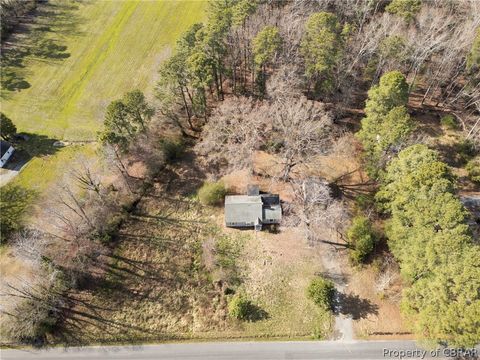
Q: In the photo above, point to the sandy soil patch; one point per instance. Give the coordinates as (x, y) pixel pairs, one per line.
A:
(237, 182)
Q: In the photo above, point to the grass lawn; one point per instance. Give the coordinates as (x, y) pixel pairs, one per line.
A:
(101, 50)
(42, 171)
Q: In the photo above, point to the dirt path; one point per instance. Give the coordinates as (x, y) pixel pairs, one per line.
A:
(332, 264)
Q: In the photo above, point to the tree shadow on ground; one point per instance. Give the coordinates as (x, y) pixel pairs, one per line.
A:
(256, 313)
(457, 154)
(354, 306)
(14, 203)
(185, 178)
(155, 265)
(37, 145)
(40, 39)
(335, 277)
(25, 150)
(351, 184)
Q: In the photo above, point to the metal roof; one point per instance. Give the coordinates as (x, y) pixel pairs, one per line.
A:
(4, 146)
(243, 199)
(244, 210)
(272, 213)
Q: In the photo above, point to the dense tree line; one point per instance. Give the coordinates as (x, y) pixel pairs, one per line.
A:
(331, 47)
(429, 236)
(428, 232)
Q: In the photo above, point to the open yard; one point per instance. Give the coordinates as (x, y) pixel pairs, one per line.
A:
(63, 67)
(175, 267)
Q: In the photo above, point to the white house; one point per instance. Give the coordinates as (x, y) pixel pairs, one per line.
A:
(6, 151)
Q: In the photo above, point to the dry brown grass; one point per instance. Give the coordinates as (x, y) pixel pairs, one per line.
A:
(386, 322)
(279, 268)
(163, 281)
(154, 287)
(12, 269)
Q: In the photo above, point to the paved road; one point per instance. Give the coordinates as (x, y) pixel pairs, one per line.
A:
(313, 350)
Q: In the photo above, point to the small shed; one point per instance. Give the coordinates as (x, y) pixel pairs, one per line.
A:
(6, 152)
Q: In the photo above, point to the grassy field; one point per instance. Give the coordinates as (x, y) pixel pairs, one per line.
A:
(102, 49)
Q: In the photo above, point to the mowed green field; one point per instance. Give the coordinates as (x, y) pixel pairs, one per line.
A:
(111, 47)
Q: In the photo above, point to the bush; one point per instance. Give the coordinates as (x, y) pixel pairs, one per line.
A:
(361, 236)
(321, 291)
(34, 320)
(172, 149)
(227, 251)
(212, 193)
(473, 170)
(110, 228)
(31, 318)
(239, 307)
(449, 122)
(365, 201)
(465, 150)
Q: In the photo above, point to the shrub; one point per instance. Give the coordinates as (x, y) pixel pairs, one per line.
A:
(364, 201)
(362, 237)
(465, 150)
(32, 322)
(449, 122)
(212, 193)
(172, 149)
(35, 315)
(110, 228)
(227, 250)
(473, 170)
(239, 307)
(321, 291)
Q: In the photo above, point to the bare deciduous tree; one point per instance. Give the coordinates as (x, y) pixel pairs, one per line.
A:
(293, 129)
(318, 210)
(30, 245)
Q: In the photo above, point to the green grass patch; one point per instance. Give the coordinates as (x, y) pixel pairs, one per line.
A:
(41, 172)
(75, 58)
(449, 122)
(212, 193)
(85, 54)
